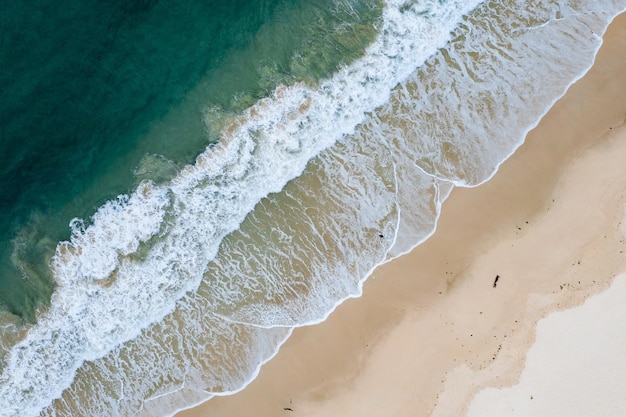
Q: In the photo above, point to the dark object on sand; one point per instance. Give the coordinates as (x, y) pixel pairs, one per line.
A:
(495, 281)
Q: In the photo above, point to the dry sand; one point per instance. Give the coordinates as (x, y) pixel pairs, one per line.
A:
(431, 331)
(576, 368)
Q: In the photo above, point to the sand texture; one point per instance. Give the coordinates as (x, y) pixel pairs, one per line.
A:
(431, 330)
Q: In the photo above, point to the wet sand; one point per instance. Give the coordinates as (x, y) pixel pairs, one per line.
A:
(433, 328)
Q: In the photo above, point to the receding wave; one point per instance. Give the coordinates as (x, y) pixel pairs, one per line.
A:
(180, 291)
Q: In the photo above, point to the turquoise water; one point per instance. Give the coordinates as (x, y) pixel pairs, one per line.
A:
(96, 96)
(271, 155)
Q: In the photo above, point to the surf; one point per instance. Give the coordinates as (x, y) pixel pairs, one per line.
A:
(178, 291)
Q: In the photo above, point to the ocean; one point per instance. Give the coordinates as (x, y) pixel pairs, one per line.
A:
(186, 182)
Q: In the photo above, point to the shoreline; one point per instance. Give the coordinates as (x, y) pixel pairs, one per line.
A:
(430, 321)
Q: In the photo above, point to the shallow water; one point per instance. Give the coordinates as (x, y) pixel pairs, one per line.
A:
(97, 97)
(206, 270)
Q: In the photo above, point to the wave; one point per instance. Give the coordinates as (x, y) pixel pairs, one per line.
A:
(179, 291)
(144, 252)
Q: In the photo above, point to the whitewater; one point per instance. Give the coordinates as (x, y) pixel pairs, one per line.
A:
(180, 291)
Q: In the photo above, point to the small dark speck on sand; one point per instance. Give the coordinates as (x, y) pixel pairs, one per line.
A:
(495, 281)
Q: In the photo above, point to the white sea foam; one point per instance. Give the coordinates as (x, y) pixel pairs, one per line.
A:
(164, 314)
(106, 294)
(470, 105)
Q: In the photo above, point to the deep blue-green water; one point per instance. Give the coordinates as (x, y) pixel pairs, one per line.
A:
(90, 90)
(185, 182)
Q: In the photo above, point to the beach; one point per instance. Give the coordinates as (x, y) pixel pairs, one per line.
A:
(460, 312)
(191, 188)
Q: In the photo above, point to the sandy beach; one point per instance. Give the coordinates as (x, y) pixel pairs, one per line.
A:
(460, 313)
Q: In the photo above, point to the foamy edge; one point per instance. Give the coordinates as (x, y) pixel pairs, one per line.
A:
(76, 329)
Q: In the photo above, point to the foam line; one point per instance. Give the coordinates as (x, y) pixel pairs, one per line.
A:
(126, 270)
(143, 282)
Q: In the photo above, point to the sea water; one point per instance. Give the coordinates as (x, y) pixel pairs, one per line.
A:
(331, 155)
